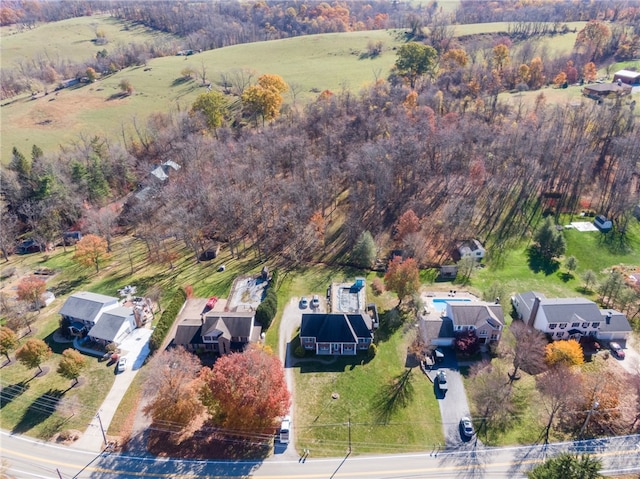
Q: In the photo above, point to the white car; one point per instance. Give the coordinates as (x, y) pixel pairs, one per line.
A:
(122, 365)
(304, 302)
(315, 302)
(467, 426)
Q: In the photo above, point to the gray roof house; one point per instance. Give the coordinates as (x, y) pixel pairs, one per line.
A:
(570, 318)
(471, 248)
(487, 319)
(84, 309)
(337, 334)
(217, 332)
(113, 326)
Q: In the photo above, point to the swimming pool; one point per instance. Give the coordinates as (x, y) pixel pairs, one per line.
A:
(440, 304)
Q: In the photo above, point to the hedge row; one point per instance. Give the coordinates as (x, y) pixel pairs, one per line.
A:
(266, 311)
(166, 320)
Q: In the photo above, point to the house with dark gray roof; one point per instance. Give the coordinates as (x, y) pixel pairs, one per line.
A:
(486, 319)
(217, 332)
(471, 249)
(337, 334)
(83, 310)
(113, 326)
(570, 318)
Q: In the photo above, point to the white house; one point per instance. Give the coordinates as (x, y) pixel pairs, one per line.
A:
(113, 326)
(570, 318)
(471, 248)
(83, 309)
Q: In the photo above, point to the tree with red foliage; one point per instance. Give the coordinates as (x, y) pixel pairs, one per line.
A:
(467, 342)
(402, 277)
(247, 392)
(31, 289)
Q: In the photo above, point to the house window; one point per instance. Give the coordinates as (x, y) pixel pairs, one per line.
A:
(207, 339)
(595, 325)
(482, 333)
(563, 325)
(593, 333)
(494, 337)
(575, 325)
(585, 325)
(552, 326)
(559, 334)
(458, 328)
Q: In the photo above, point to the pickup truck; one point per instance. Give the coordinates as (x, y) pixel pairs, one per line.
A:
(442, 381)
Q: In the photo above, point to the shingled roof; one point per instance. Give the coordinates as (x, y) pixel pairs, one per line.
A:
(336, 328)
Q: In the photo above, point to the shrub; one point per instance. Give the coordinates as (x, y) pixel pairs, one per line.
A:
(299, 351)
(372, 351)
(377, 286)
(167, 319)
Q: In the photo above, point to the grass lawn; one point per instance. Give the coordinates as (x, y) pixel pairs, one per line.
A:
(593, 250)
(364, 405)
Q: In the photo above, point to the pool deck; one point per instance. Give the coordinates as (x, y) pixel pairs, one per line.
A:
(430, 312)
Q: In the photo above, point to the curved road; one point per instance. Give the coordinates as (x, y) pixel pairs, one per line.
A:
(26, 459)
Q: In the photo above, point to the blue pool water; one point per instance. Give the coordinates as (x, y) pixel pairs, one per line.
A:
(440, 304)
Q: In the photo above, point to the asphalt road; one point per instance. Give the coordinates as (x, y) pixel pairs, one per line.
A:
(26, 458)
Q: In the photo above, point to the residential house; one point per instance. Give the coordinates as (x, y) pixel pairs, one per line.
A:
(337, 334)
(83, 310)
(448, 271)
(113, 325)
(29, 246)
(471, 248)
(600, 90)
(217, 332)
(486, 319)
(627, 76)
(570, 318)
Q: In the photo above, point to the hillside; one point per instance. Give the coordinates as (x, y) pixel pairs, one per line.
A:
(312, 63)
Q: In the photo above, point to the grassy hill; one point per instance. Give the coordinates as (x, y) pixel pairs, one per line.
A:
(314, 63)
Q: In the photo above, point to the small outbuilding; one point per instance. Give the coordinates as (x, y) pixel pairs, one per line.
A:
(627, 76)
(603, 223)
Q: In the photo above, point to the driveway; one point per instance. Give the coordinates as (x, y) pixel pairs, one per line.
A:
(631, 361)
(453, 404)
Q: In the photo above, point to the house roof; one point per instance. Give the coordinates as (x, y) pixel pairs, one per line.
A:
(339, 328)
(617, 321)
(188, 333)
(438, 328)
(608, 87)
(477, 314)
(231, 325)
(564, 310)
(111, 323)
(627, 74)
(470, 245)
(86, 306)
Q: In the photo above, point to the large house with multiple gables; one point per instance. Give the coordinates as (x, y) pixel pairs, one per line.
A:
(570, 318)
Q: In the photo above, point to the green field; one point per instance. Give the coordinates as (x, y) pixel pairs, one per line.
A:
(312, 63)
(72, 39)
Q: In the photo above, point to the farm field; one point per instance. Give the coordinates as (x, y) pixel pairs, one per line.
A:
(315, 63)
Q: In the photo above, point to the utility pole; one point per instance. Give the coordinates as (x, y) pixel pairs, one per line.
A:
(349, 426)
(104, 436)
(594, 406)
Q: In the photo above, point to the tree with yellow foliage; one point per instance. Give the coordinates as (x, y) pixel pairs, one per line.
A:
(265, 98)
(91, 250)
(568, 352)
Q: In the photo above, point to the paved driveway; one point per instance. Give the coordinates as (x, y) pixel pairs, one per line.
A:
(631, 361)
(453, 404)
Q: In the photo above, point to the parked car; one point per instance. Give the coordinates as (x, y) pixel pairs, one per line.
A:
(617, 350)
(442, 381)
(211, 302)
(315, 302)
(122, 365)
(467, 427)
(304, 302)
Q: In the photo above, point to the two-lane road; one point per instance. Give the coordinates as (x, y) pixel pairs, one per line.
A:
(25, 459)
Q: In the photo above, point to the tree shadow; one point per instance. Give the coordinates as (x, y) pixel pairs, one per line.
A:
(523, 458)
(11, 392)
(390, 322)
(540, 264)
(66, 287)
(565, 276)
(393, 396)
(38, 411)
(471, 463)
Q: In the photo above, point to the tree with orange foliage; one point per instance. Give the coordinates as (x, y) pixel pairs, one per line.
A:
(590, 72)
(91, 250)
(246, 393)
(560, 79)
(71, 364)
(408, 223)
(568, 352)
(31, 289)
(402, 277)
(536, 73)
(33, 353)
(593, 38)
(174, 384)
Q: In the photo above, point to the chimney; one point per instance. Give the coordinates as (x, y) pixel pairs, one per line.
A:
(534, 311)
